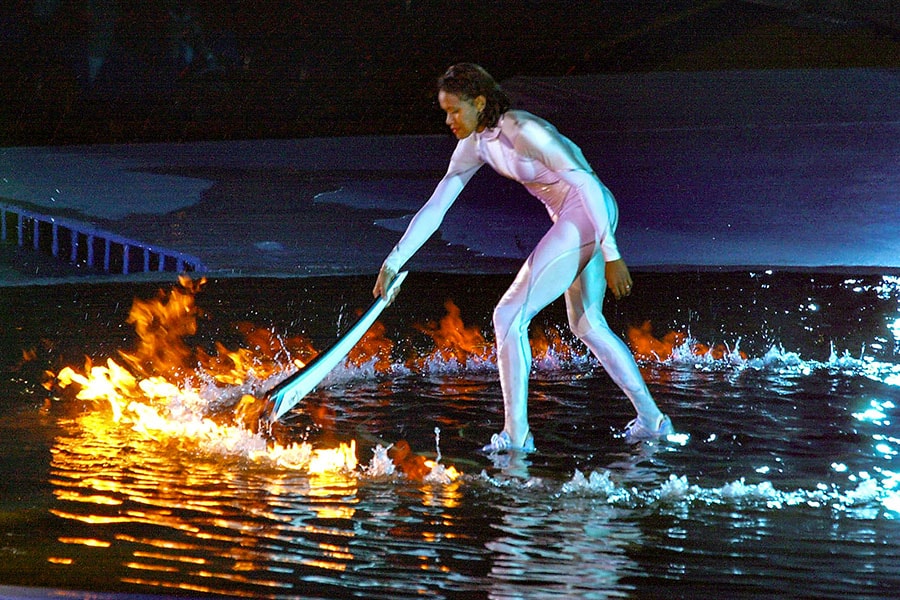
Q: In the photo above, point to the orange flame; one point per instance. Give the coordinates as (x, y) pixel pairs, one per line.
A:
(647, 347)
(142, 393)
(266, 343)
(373, 345)
(549, 342)
(161, 325)
(456, 341)
(453, 339)
(415, 466)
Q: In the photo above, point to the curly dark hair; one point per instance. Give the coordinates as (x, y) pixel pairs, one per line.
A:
(468, 81)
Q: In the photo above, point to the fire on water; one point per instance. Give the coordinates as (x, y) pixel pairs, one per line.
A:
(162, 389)
(166, 391)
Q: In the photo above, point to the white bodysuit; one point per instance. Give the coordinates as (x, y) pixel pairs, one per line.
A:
(570, 258)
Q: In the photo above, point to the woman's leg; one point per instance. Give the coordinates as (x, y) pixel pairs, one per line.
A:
(584, 303)
(546, 275)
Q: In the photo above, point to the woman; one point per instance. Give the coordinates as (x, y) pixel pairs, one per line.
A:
(576, 257)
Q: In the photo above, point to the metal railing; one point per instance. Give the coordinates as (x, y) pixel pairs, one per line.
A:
(82, 244)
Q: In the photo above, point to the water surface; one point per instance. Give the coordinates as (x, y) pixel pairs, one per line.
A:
(783, 482)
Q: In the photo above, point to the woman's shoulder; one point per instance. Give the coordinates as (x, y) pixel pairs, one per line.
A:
(521, 118)
(517, 122)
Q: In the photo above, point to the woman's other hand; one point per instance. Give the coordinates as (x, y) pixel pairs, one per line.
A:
(618, 278)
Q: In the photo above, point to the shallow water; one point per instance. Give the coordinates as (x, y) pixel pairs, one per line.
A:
(783, 481)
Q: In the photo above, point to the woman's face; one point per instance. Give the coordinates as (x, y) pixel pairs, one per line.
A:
(462, 114)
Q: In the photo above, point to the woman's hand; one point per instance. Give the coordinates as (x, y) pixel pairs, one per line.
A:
(385, 277)
(618, 278)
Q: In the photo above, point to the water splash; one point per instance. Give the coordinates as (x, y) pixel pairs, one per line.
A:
(381, 464)
(867, 495)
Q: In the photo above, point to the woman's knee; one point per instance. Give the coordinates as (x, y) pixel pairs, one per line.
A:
(589, 322)
(508, 319)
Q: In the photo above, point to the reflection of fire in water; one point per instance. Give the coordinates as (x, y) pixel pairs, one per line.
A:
(177, 520)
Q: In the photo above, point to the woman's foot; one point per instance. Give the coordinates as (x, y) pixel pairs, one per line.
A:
(638, 431)
(500, 442)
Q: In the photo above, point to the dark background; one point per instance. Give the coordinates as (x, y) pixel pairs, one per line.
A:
(184, 70)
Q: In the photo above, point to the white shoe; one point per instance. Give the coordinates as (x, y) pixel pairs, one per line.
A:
(500, 442)
(636, 431)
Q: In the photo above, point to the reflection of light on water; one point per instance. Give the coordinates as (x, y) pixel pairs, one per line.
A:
(164, 557)
(444, 496)
(885, 447)
(886, 450)
(680, 439)
(146, 567)
(889, 286)
(891, 482)
(892, 502)
(90, 542)
(72, 496)
(875, 413)
(333, 494)
(114, 478)
(894, 328)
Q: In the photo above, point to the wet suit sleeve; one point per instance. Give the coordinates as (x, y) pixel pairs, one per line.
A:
(540, 141)
(463, 165)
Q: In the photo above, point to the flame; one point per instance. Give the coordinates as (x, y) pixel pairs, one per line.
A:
(153, 388)
(161, 325)
(374, 346)
(549, 344)
(647, 347)
(334, 459)
(112, 383)
(142, 393)
(419, 468)
(149, 400)
(454, 341)
(264, 356)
